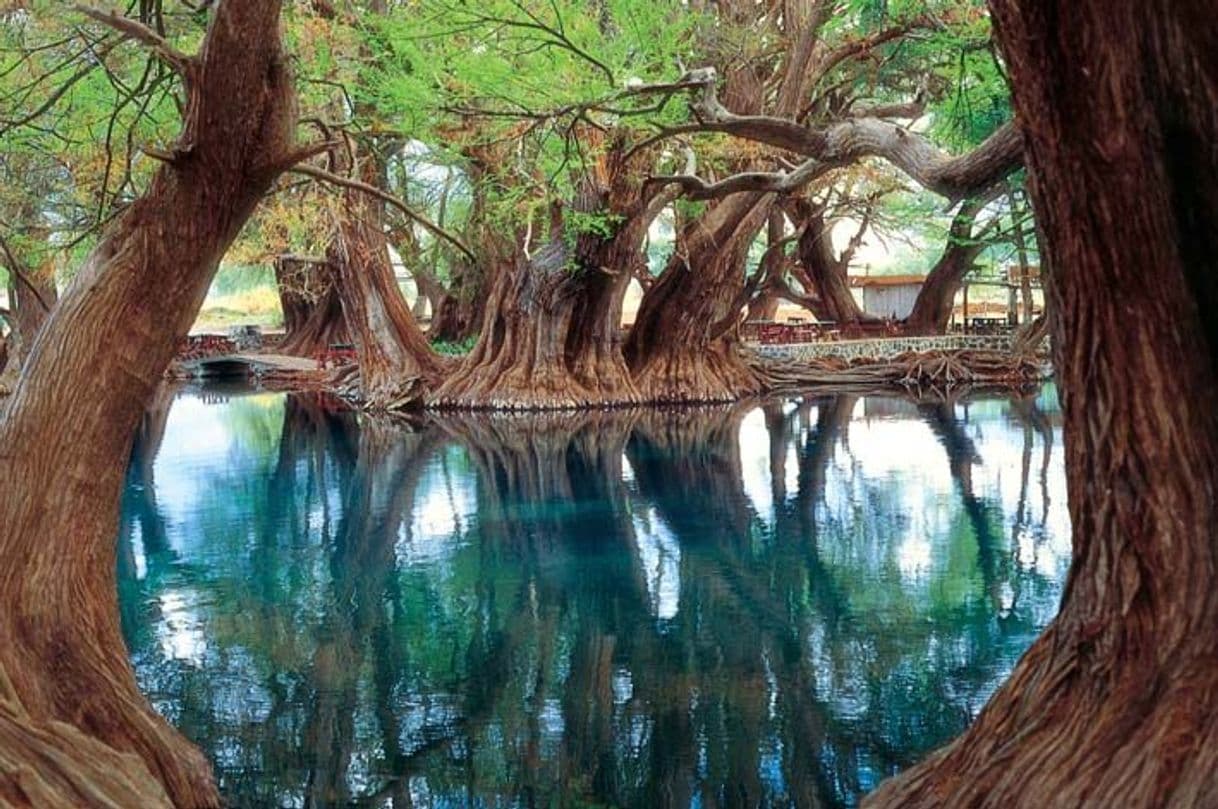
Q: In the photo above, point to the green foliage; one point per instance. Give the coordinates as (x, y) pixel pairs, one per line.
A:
(455, 349)
(484, 113)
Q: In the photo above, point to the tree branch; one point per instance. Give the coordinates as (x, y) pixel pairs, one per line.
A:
(850, 140)
(141, 33)
(18, 270)
(769, 182)
(299, 155)
(347, 182)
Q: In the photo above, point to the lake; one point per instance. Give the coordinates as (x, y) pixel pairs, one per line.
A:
(777, 603)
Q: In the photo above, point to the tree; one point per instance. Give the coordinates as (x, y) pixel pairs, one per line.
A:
(1115, 703)
(932, 309)
(89, 376)
(312, 311)
(550, 336)
(396, 365)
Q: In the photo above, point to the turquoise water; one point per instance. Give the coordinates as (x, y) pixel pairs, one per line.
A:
(772, 604)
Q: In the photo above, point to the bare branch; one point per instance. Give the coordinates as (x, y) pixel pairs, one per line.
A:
(347, 182)
(141, 33)
(850, 140)
(18, 271)
(771, 182)
(299, 155)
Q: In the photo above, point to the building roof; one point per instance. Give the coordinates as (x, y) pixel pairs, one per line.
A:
(886, 280)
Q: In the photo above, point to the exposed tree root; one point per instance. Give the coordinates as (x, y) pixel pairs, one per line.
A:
(717, 373)
(706, 379)
(391, 395)
(53, 764)
(942, 371)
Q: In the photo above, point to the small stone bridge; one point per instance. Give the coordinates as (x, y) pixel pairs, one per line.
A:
(244, 365)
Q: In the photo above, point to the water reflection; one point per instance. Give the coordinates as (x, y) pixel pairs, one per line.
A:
(770, 604)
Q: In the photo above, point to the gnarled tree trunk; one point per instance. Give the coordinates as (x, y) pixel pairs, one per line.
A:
(1117, 703)
(70, 705)
(824, 274)
(550, 339)
(932, 310)
(396, 363)
(673, 351)
(312, 310)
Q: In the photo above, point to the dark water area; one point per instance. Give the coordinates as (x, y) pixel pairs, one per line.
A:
(770, 604)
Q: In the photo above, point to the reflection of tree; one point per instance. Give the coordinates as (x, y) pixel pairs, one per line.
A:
(551, 503)
(1026, 410)
(962, 455)
(736, 601)
(582, 630)
(140, 512)
(362, 567)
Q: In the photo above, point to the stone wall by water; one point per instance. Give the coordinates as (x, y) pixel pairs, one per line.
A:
(884, 347)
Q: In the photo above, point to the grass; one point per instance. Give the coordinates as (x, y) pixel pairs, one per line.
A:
(256, 306)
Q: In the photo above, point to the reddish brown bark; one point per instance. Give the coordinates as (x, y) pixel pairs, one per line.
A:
(1117, 703)
(679, 349)
(396, 363)
(550, 336)
(673, 350)
(825, 274)
(312, 310)
(764, 306)
(70, 701)
(459, 310)
(932, 311)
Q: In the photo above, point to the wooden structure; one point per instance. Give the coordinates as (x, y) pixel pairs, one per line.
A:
(890, 296)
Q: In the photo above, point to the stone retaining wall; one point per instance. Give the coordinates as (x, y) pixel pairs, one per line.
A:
(884, 347)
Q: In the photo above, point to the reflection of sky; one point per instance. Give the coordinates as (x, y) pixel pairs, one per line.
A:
(199, 439)
(660, 558)
(444, 504)
(903, 456)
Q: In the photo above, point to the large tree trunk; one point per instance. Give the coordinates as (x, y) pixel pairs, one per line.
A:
(1117, 703)
(679, 349)
(550, 339)
(459, 311)
(673, 350)
(825, 275)
(90, 374)
(396, 363)
(932, 311)
(312, 310)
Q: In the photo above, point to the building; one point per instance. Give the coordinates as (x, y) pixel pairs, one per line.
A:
(887, 295)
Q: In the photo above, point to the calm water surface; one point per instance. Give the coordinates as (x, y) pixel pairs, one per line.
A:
(772, 604)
